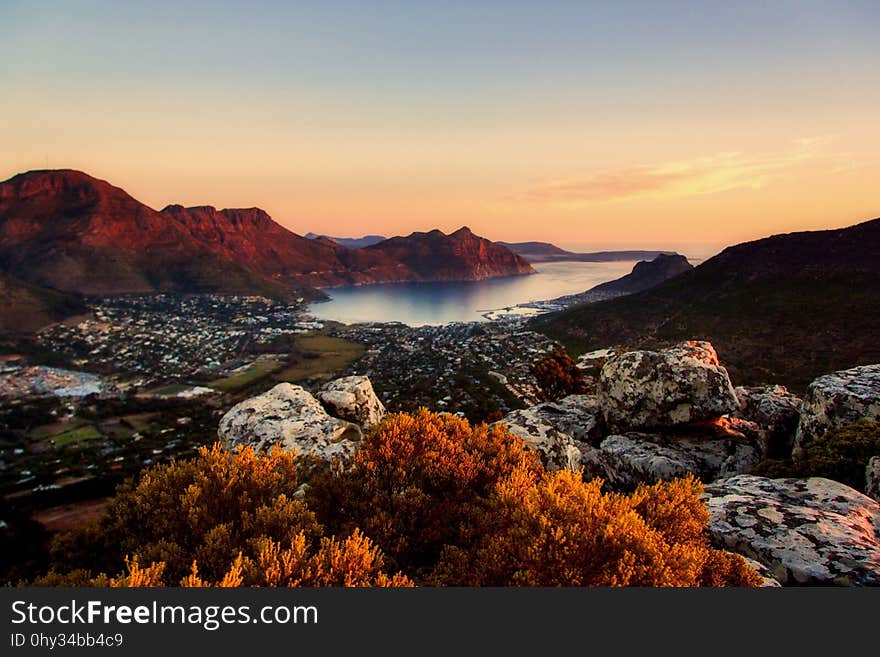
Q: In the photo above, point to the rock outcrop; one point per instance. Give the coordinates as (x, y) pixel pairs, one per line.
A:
(558, 430)
(769, 581)
(557, 449)
(650, 389)
(626, 460)
(776, 411)
(838, 399)
(352, 398)
(806, 531)
(289, 416)
(872, 478)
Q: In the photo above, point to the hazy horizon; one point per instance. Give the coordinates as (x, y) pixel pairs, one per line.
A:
(598, 125)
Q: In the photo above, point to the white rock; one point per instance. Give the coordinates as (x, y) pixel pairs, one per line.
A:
(806, 531)
(499, 377)
(838, 399)
(557, 449)
(650, 389)
(776, 411)
(558, 430)
(352, 398)
(593, 359)
(626, 460)
(289, 416)
(577, 415)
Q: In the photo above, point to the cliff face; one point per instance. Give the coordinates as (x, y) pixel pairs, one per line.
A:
(253, 239)
(66, 230)
(69, 231)
(459, 256)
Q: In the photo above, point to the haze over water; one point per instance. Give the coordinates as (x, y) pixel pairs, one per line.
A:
(419, 304)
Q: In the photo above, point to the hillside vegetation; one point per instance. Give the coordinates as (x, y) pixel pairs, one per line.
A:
(784, 309)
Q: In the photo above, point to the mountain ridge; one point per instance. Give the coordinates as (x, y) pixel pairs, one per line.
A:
(547, 252)
(441, 254)
(350, 242)
(66, 230)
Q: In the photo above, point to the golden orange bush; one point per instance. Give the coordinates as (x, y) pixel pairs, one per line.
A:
(557, 530)
(417, 482)
(428, 495)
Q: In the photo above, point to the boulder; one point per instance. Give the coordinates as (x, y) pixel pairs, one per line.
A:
(806, 531)
(289, 416)
(776, 411)
(838, 399)
(579, 416)
(594, 359)
(872, 478)
(557, 449)
(626, 460)
(352, 398)
(650, 389)
(559, 429)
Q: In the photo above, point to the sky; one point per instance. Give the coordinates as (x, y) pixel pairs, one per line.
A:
(687, 125)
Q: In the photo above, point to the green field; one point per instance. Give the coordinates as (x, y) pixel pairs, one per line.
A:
(55, 429)
(254, 372)
(320, 357)
(169, 390)
(76, 436)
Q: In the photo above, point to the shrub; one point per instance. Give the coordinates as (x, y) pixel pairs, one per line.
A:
(212, 519)
(417, 482)
(428, 494)
(558, 375)
(841, 454)
(557, 530)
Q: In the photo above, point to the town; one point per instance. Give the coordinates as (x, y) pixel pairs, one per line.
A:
(165, 337)
(145, 379)
(479, 370)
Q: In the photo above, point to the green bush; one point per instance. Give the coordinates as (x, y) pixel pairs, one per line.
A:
(841, 454)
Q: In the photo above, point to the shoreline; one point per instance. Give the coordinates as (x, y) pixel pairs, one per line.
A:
(521, 310)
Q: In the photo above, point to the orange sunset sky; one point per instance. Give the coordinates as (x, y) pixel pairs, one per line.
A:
(674, 125)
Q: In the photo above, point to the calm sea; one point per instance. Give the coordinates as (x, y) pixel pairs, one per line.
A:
(419, 304)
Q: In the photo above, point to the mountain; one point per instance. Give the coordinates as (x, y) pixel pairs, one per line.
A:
(351, 242)
(546, 252)
(644, 275)
(784, 309)
(27, 307)
(535, 249)
(459, 256)
(66, 230)
(251, 238)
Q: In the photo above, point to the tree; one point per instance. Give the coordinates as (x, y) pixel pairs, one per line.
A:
(558, 375)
